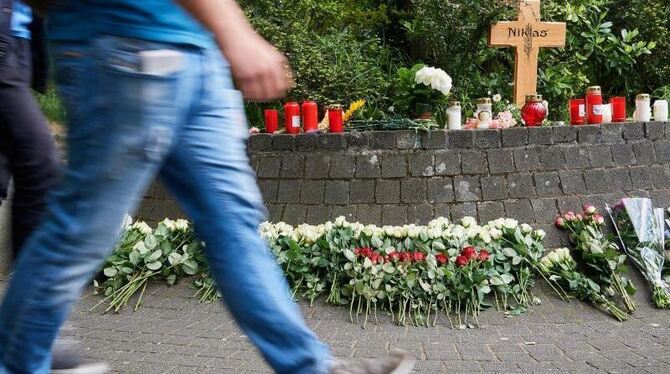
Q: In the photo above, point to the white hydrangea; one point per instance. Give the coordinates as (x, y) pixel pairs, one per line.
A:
(526, 229)
(435, 78)
(540, 234)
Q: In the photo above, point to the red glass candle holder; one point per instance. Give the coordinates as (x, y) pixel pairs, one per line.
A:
(577, 112)
(594, 105)
(618, 109)
(335, 118)
(292, 117)
(533, 112)
(271, 120)
(310, 116)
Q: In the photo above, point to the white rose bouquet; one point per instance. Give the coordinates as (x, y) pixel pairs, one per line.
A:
(420, 90)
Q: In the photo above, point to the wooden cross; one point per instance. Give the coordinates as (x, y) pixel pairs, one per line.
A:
(527, 35)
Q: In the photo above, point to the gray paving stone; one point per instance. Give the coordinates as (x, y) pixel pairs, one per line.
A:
(527, 159)
(547, 184)
(368, 166)
(413, 190)
(440, 190)
(387, 191)
(447, 163)
(369, 214)
(520, 210)
(317, 166)
(394, 215)
(494, 188)
(342, 167)
(467, 189)
(474, 162)
(394, 166)
(420, 214)
(421, 164)
(515, 137)
(362, 191)
(520, 186)
(337, 192)
(601, 156)
(500, 161)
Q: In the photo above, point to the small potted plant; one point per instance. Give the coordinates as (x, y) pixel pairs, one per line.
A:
(421, 90)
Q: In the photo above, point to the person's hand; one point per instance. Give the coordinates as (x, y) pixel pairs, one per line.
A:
(261, 72)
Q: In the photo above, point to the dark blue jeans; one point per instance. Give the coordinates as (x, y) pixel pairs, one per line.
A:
(127, 125)
(27, 149)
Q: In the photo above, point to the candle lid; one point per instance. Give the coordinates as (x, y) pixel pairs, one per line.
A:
(484, 100)
(533, 98)
(594, 89)
(643, 97)
(455, 103)
(335, 107)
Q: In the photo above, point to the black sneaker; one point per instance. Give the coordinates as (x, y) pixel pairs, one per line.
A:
(399, 362)
(65, 360)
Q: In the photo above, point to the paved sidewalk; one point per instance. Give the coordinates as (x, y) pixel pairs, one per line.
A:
(172, 333)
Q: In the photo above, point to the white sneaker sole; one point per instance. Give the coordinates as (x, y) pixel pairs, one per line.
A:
(97, 368)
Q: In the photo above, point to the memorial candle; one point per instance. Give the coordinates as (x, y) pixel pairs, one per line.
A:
(661, 110)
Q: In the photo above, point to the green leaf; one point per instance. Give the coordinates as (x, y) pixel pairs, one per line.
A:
(376, 242)
(126, 270)
(174, 258)
(140, 247)
(496, 280)
(509, 252)
(507, 278)
(150, 242)
(172, 279)
(154, 265)
(154, 256)
(110, 272)
(350, 255)
(516, 260)
(190, 267)
(134, 257)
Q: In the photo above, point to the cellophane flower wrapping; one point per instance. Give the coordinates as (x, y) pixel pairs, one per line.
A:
(641, 230)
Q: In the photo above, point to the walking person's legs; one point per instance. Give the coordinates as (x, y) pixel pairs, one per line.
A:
(27, 146)
(121, 124)
(210, 174)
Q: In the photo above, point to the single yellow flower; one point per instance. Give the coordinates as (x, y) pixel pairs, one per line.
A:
(355, 106)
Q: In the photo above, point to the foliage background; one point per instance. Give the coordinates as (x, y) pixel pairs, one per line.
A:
(343, 50)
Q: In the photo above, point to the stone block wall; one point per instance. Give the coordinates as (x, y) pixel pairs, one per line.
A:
(399, 177)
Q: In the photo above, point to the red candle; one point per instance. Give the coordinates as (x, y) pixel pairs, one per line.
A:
(271, 120)
(534, 111)
(618, 109)
(594, 104)
(577, 111)
(292, 117)
(310, 116)
(335, 118)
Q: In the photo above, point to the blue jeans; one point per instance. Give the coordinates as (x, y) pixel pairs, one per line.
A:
(125, 127)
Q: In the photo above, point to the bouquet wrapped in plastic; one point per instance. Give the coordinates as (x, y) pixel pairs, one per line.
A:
(641, 230)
